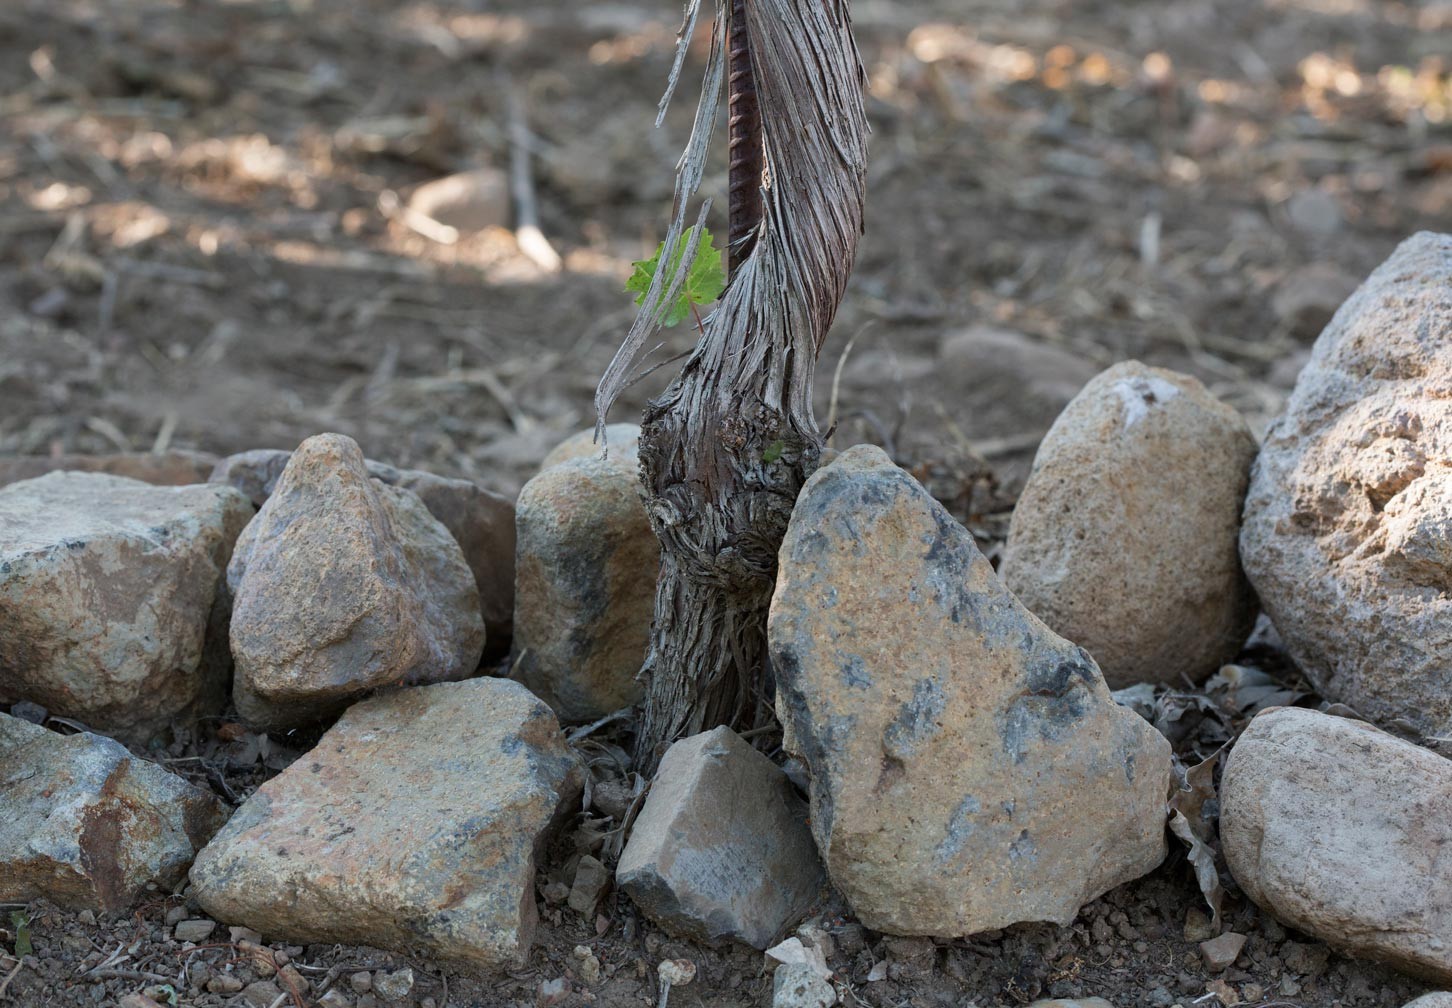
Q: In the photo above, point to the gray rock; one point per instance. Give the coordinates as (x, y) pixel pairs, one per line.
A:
(86, 825)
(1337, 829)
(172, 468)
(585, 570)
(1432, 999)
(592, 878)
(1220, 952)
(796, 985)
(969, 768)
(621, 439)
(481, 522)
(1347, 534)
(707, 864)
(1124, 539)
(343, 585)
(113, 608)
(1093, 1002)
(413, 825)
(196, 931)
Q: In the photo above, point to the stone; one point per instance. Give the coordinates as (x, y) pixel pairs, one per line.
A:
(1093, 1002)
(969, 769)
(1336, 829)
(86, 825)
(1124, 539)
(343, 585)
(262, 994)
(795, 985)
(1347, 531)
(480, 520)
(1220, 952)
(1432, 999)
(1314, 213)
(414, 824)
(621, 439)
(468, 201)
(592, 878)
(709, 866)
(1308, 297)
(170, 468)
(195, 931)
(1002, 384)
(585, 570)
(113, 607)
(394, 986)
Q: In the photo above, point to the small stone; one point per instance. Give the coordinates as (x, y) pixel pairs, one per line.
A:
(175, 915)
(335, 998)
(613, 798)
(592, 878)
(343, 585)
(1220, 953)
(412, 826)
(194, 931)
(85, 824)
(261, 994)
(172, 468)
(361, 982)
(1198, 926)
(1432, 999)
(1307, 299)
(27, 711)
(113, 610)
(906, 669)
(552, 992)
(1347, 534)
(137, 1001)
(394, 986)
(798, 986)
(1093, 1002)
(1380, 810)
(676, 972)
(555, 893)
(585, 571)
(588, 965)
(243, 935)
(224, 983)
(705, 865)
(469, 201)
(1125, 538)
(1314, 213)
(621, 440)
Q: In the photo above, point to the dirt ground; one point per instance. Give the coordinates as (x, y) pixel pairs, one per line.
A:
(200, 247)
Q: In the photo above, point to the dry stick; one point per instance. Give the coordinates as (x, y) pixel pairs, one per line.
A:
(532, 241)
(5, 984)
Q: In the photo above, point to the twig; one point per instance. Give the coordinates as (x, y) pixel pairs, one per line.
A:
(5, 984)
(532, 241)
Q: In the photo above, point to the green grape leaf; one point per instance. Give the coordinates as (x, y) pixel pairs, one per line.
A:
(703, 284)
(21, 924)
(773, 452)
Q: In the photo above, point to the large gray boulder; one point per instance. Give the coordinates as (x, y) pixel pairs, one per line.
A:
(113, 605)
(344, 585)
(969, 769)
(169, 468)
(413, 825)
(1347, 533)
(1340, 830)
(1124, 539)
(86, 825)
(721, 849)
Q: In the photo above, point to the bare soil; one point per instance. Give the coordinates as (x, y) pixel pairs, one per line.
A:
(199, 248)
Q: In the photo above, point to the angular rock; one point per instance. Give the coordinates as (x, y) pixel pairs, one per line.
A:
(969, 768)
(795, 985)
(171, 468)
(1338, 829)
(1124, 539)
(342, 585)
(481, 522)
(113, 606)
(1347, 533)
(706, 862)
(85, 824)
(585, 569)
(622, 439)
(1220, 952)
(413, 825)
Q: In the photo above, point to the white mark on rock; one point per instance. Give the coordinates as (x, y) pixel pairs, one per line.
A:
(1140, 392)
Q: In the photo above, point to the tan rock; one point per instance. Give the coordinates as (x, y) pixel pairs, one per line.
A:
(171, 468)
(113, 607)
(413, 826)
(585, 571)
(343, 585)
(1347, 533)
(621, 439)
(1337, 829)
(1124, 539)
(86, 825)
(969, 769)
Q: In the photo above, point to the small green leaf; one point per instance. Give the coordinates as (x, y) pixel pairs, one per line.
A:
(21, 923)
(704, 281)
(773, 451)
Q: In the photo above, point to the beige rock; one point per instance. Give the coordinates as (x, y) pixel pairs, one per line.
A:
(1432, 999)
(585, 570)
(172, 468)
(480, 520)
(721, 848)
(969, 769)
(113, 607)
(621, 439)
(1124, 538)
(414, 825)
(1347, 532)
(86, 825)
(1338, 829)
(343, 585)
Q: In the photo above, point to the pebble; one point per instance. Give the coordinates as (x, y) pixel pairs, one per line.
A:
(798, 986)
(195, 931)
(1219, 953)
(394, 986)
